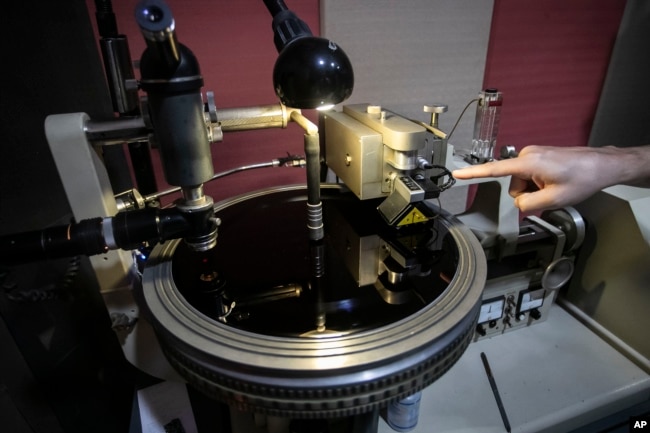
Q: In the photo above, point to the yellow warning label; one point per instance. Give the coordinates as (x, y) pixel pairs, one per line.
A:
(415, 216)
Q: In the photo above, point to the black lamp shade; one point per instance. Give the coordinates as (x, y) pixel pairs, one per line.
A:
(312, 72)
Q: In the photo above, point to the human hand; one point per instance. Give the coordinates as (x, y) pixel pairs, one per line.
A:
(545, 177)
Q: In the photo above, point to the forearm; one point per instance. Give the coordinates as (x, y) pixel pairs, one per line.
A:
(625, 165)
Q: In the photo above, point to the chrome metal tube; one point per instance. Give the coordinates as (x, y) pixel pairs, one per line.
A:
(116, 131)
(314, 205)
(312, 159)
(256, 117)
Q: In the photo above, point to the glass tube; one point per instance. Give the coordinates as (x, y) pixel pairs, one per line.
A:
(486, 125)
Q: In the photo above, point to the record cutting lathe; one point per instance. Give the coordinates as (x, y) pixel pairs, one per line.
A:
(323, 301)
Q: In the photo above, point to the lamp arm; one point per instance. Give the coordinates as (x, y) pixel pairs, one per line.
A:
(275, 6)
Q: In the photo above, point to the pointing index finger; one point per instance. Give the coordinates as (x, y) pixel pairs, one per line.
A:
(502, 168)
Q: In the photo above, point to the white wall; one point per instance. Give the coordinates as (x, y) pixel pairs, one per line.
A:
(410, 53)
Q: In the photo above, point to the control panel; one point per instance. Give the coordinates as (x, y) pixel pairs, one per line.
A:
(513, 302)
(522, 287)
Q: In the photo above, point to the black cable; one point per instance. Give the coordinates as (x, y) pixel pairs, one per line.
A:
(461, 116)
(445, 172)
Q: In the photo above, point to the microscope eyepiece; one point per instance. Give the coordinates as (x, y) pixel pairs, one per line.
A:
(155, 19)
(153, 14)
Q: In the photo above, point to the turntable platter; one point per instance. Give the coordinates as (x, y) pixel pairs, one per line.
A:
(271, 322)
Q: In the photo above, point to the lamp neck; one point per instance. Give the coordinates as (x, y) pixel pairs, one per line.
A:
(275, 6)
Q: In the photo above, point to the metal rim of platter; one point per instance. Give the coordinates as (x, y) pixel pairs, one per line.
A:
(315, 377)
